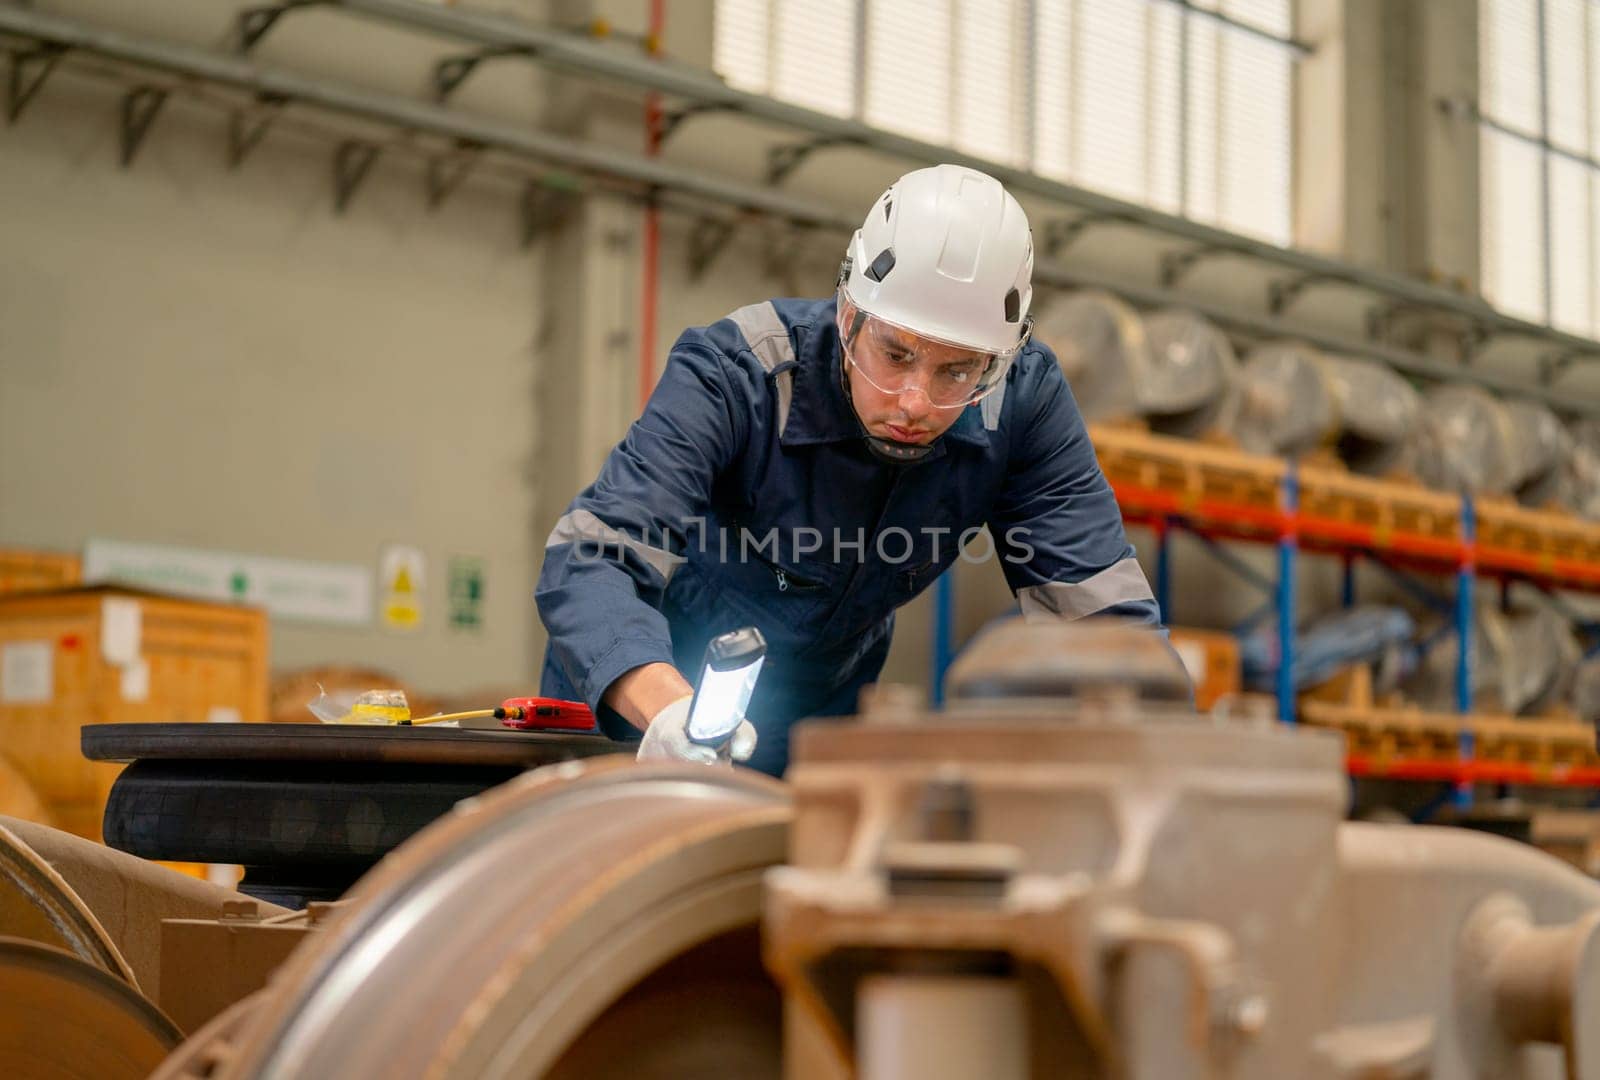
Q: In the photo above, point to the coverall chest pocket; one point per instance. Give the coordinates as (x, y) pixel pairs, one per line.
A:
(796, 593)
(912, 581)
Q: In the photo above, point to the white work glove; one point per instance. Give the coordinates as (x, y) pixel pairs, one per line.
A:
(667, 739)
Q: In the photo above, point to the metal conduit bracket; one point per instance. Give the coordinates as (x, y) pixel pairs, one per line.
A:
(706, 241)
(1553, 365)
(1380, 318)
(541, 208)
(452, 71)
(248, 126)
(1473, 338)
(785, 159)
(1062, 233)
(446, 171)
(1176, 264)
(351, 163)
(139, 108)
(783, 250)
(254, 23)
(671, 120)
(29, 69)
(1281, 294)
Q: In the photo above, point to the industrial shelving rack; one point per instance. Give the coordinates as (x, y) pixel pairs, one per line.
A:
(1220, 495)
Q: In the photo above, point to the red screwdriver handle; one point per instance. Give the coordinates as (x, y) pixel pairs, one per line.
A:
(545, 714)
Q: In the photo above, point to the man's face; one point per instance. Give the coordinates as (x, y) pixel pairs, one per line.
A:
(915, 364)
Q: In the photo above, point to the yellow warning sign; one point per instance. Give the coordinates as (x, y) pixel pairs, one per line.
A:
(403, 576)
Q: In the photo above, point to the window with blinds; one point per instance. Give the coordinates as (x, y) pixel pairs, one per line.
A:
(1182, 105)
(1539, 108)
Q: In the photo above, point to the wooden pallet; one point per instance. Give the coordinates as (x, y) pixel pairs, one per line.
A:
(1546, 535)
(1386, 734)
(1192, 472)
(1387, 507)
(1392, 733)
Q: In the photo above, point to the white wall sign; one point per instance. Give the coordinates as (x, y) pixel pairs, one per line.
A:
(27, 673)
(288, 588)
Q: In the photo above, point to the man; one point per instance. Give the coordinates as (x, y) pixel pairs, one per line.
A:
(808, 466)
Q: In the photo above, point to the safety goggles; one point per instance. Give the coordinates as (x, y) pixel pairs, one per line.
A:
(896, 360)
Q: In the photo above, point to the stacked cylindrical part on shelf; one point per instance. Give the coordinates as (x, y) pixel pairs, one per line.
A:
(1541, 455)
(1523, 663)
(1377, 411)
(1286, 403)
(1584, 467)
(1464, 442)
(1101, 346)
(1193, 387)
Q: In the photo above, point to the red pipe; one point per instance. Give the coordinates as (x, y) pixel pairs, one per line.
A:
(650, 287)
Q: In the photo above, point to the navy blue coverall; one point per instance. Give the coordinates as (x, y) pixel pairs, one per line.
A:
(746, 495)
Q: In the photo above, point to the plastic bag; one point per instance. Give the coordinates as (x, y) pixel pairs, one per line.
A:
(367, 707)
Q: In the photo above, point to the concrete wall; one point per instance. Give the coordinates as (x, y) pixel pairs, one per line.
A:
(199, 357)
(195, 356)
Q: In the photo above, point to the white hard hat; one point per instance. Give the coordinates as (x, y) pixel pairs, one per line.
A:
(946, 253)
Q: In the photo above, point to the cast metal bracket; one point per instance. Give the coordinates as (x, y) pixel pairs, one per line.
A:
(452, 71)
(783, 251)
(1472, 339)
(1175, 265)
(248, 126)
(706, 241)
(29, 70)
(447, 171)
(254, 23)
(352, 161)
(139, 108)
(785, 159)
(541, 208)
(1553, 365)
(1282, 294)
(670, 121)
(1062, 233)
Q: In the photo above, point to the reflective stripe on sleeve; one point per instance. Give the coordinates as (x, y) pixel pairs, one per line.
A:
(584, 525)
(768, 338)
(1120, 583)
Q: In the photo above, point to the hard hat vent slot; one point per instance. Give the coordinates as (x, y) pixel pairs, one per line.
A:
(881, 265)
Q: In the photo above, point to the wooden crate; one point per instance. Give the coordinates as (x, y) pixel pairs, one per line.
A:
(1191, 472)
(113, 655)
(1212, 657)
(38, 571)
